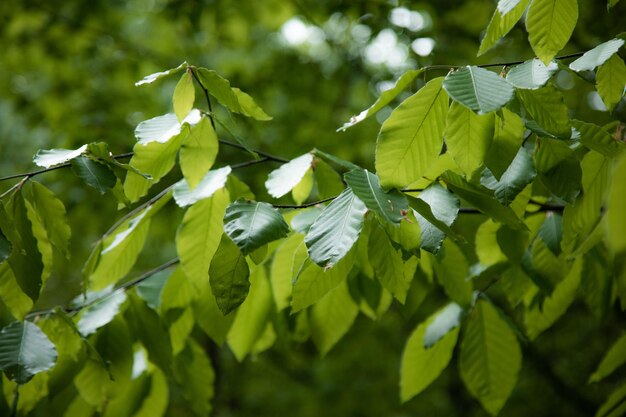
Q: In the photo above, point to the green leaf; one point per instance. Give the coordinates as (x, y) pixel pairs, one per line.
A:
(252, 316)
(198, 235)
(613, 359)
(391, 206)
(288, 259)
(149, 79)
(483, 200)
(5, 247)
(228, 276)
(538, 318)
(436, 210)
(194, 372)
(249, 107)
(411, 138)
(51, 157)
(11, 294)
(301, 192)
(610, 81)
(284, 179)
(331, 318)
(385, 98)
(551, 232)
(468, 137)
(507, 139)
(162, 129)
(213, 181)
(596, 56)
(198, 152)
(123, 245)
(420, 365)
(532, 74)
(443, 322)
(150, 330)
(336, 229)
(151, 289)
(518, 175)
(219, 88)
(392, 272)
(615, 405)
(334, 159)
(490, 358)
(596, 138)
(252, 224)
(616, 201)
(314, 282)
(208, 315)
(502, 21)
(25, 351)
(184, 96)
(95, 174)
(101, 312)
(327, 180)
(452, 271)
(550, 24)
(547, 108)
(478, 89)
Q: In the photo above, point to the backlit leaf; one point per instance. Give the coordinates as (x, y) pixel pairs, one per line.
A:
(507, 139)
(550, 24)
(546, 107)
(149, 79)
(444, 321)
(610, 81)
(502, 22)
(615, 357)
(184, 95)
(198, 152)
(596, 138)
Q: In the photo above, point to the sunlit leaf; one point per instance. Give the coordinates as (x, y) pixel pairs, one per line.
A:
(50, 157)
(284, 179)
(531, 75)
(444, 321)
(596, 56)
(25, 351)
(249, 107)
(596, 138)
(184, 95)
(610, 81)
(550, 24)
(100, 312)
(546, 107)
(478, 89)
(213, 181)
(198, 152)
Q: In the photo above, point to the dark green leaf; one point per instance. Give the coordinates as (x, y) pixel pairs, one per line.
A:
(94, 174)
(228, 276)
(252, 224)
(5, 247)
(518, 175)
(615, 357)
(391, 206)
(25, 351)
(615, 405)
(478, 89)
(551, 232)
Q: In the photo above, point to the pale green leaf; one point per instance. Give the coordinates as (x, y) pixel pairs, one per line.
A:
(249, 107)
(411, 138)
(301, 192)
(531, 75)
(50, 157)
(468, 136)
(490, 358)
(219, 88)
(284, 179)
(550, 24)
(616, 201)
(452, 271)
(288, 259)
(547, 108)
(327, 180)
(252, 316)
(596, 138)
(184, 96)
(611, 81)
(25, 351)
(228, 276)
(478, 89)
(198, 152)
(443, 322)
(213, 181)
(100, 312)
(420, 365)
(11, 294)
(596, 56)
(252, 224)
(507, 139)
(149, 79)
(385, 98)
(331, 318)
(336, 229)
(391, 206)
(502, 21)
(613, 359)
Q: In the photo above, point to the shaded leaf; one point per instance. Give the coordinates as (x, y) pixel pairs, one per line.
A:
(478, 89)
(25, 351)
(5, 247)
(228, 276)
(502, 22)
(194, 372)
(452, 271)
(615, 405)
(596, 138)
(95, 174)
(610, 81)
(518, 175)
(616, 201)
(551, 232)
(614, 358)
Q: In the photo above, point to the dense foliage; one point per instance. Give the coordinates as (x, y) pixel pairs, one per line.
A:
(492, 208)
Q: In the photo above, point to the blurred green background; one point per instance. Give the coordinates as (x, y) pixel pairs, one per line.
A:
(67, 73)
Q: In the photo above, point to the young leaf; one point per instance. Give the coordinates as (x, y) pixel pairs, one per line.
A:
(95, 174)
(412, 136)
(213, 181)
(490, 358)
(163, 128)
(420, 365)
(547, 108)
(284, 179)
(502, 21)
(50, 157)
(613, 359)
(550, 24)
(596, 56)
(478, 89)
(11, 294)
(468, 137)
(391, 206)
(25, 351)
(610, 81)
(228, 276)
(198, 235)
(252, 224)
(336, 229)
(249, 107)
(184, 96)
(532, 74)
(149, 79)
(385, 98)
(198, 152)
(331, 318)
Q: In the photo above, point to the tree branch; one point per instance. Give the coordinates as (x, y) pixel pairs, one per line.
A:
(305, 205)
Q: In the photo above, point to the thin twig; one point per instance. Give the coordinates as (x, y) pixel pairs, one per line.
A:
(206, 95)
(262, 153)
(15, 187)
(249, 163)
(305, 205)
